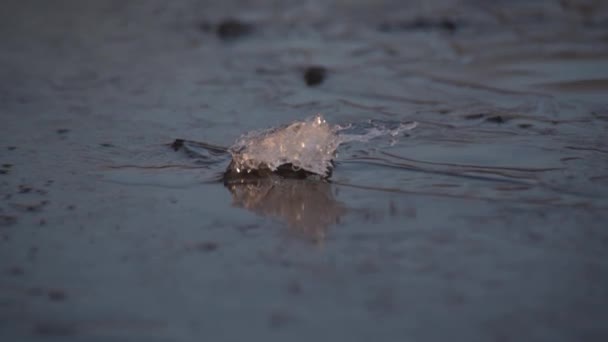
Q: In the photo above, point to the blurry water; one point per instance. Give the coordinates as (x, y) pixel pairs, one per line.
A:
(487, 222)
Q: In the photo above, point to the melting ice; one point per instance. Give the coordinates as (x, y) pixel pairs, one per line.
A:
(308, 145)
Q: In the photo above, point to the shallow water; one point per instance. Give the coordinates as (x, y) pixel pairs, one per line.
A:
(487, 222)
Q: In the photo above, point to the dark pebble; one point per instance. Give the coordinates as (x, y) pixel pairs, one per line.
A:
(420, 24)
(474, 116)
(30, 207)
(294, 288)
(56, 295)
(16, 271)
(448, 25)
(524, 126)
(32, 253)
(230, 29)
(535, 237)
(496, 119)
(24, 189)
(7, 166)
(106, 145)
(279, 319)
(11, 148)
(177, 144)
(6, 220)
(62, 131)
(54, 329)
(207, 246)
(314, 75)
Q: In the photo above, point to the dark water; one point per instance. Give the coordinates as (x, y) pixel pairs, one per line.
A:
(487, 222)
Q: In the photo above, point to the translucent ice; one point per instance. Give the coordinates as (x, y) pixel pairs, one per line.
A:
(308, 145)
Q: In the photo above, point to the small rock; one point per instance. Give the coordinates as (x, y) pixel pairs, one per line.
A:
(37, 207)
(230, 29)
(54, 329)
(32, 253)
(420, 24)
(278, 319)
(496, 119)
(24, 189)
(6, 220)
(294, 288)
(208, 246)
(474, 116)
(56, 295)
(448, 25)
(16, 271)
(177, 144)
(314, 75)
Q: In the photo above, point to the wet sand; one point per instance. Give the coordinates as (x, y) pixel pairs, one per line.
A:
(487, 222)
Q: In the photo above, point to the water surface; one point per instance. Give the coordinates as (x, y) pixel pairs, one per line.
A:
(487, 222)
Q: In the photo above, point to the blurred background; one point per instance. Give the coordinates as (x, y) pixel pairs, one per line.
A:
(487, 222)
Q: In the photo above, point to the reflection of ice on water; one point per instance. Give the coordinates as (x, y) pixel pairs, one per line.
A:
(308, 145)
(308, 206)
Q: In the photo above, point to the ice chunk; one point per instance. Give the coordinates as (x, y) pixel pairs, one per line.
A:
(309, 145)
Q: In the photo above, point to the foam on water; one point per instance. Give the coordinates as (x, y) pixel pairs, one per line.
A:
(373, 129)
(308, 145)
